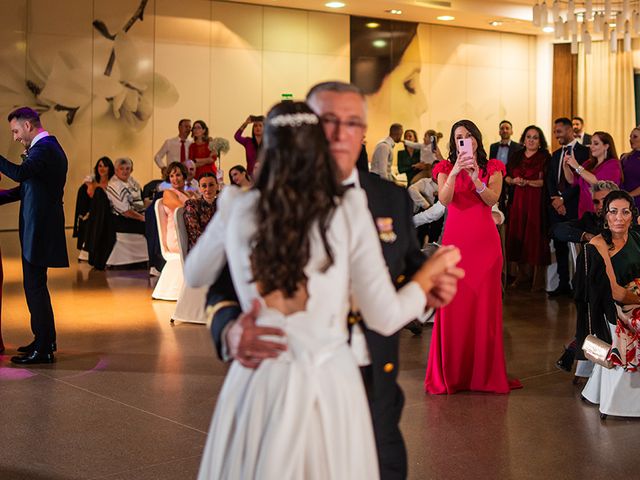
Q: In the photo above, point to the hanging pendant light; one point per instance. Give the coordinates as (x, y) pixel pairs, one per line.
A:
(571, 10)
(536, 14)
(598, 21)
(544, 15)
(587, 43)
(625, 9)
(588, 10)
(558, 28)
(627, 36)
(555, 9)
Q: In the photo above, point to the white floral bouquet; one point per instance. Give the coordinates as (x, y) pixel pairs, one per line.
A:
(219, 145)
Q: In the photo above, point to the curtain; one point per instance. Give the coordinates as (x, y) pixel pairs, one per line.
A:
(606, 97)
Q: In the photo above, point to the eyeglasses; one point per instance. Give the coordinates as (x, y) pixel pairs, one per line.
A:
(351, 126)
(625, 212)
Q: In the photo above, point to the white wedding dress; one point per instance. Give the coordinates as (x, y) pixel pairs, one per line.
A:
(305, 414)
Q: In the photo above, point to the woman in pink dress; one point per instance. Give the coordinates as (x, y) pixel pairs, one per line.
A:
(466, 350)
(173, 198)
(603, 165)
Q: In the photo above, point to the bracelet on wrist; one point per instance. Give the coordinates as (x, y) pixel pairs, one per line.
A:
(579, 170)
(482, 188)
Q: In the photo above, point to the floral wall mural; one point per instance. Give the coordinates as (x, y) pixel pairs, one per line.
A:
(113, 77)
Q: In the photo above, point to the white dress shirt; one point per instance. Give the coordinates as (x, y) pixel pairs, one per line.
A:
(38, 137)
(423, 193)
(171, 150)
(383, 158)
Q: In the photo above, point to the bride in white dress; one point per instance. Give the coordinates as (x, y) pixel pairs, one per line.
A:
(303, 246)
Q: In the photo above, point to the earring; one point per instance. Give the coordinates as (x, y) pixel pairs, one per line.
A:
(606, 226)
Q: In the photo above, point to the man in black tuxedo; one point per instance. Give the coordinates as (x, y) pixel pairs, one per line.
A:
(579, 133)
(563, 197)
(505, 148)
(341, 108)
(42, 176)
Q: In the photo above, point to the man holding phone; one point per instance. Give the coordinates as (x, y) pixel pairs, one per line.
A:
(563, 197)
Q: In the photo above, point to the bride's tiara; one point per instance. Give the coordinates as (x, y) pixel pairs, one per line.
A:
(294, 120)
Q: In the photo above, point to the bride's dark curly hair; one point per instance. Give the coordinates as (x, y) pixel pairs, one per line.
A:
(298, 189)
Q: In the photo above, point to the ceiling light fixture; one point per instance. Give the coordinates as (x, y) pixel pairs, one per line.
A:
(445, 18)
(379, 43)
(548, 29)
(334, 4)
(394, 11)
(372, 25)
(495, 23)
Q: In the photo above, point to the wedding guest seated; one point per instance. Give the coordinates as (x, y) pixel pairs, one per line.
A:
(239, 176)
(609, 288)
(424, 193)
(125, 195)
(190, 184)
(589, 225)
(199, 211)
(172, 198)
(102, 173)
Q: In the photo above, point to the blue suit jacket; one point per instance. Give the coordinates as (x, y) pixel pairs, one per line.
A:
(42, 176)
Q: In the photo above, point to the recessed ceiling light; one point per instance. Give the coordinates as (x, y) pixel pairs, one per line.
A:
(334, 4)
(446, 18)
(372, 25)
(495, 23)
(379, 43)
(548, 29)
(394, 12)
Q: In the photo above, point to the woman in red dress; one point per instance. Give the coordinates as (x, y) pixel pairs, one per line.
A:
(466, 351)
(527, 245)
(199, 150)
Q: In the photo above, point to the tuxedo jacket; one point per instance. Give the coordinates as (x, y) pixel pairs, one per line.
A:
(569, 193)
(513, 148)
(42, 176)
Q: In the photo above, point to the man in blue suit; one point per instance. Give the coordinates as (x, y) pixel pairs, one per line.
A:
(42, 176)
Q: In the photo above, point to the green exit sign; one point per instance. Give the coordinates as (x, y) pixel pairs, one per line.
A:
(287, 97)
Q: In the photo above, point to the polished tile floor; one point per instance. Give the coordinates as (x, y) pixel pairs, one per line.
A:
(131, 396)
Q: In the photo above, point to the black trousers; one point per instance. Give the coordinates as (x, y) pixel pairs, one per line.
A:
(39, 303)
(562, 258)
(386, 401)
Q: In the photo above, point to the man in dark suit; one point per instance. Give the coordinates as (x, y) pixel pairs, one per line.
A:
(42, 176)
(505, 148)
(341, 108)
(579, 133)
(563, 197)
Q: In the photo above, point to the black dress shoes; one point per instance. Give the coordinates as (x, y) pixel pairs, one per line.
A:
(33, 358)
(561, 290)
(32, 346)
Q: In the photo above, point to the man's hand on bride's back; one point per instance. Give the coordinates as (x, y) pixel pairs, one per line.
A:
(443, 262)
(244, 340)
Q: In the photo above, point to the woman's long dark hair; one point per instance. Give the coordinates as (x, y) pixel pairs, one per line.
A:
(106, 161)
(616, 195)
(205, 135)
(254, 140)
(607, 139)
(241, 169)
(481, 154)
(298, 187)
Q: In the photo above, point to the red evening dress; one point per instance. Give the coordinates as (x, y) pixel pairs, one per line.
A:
(201, 150)
(466, 351)
(527, 241)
